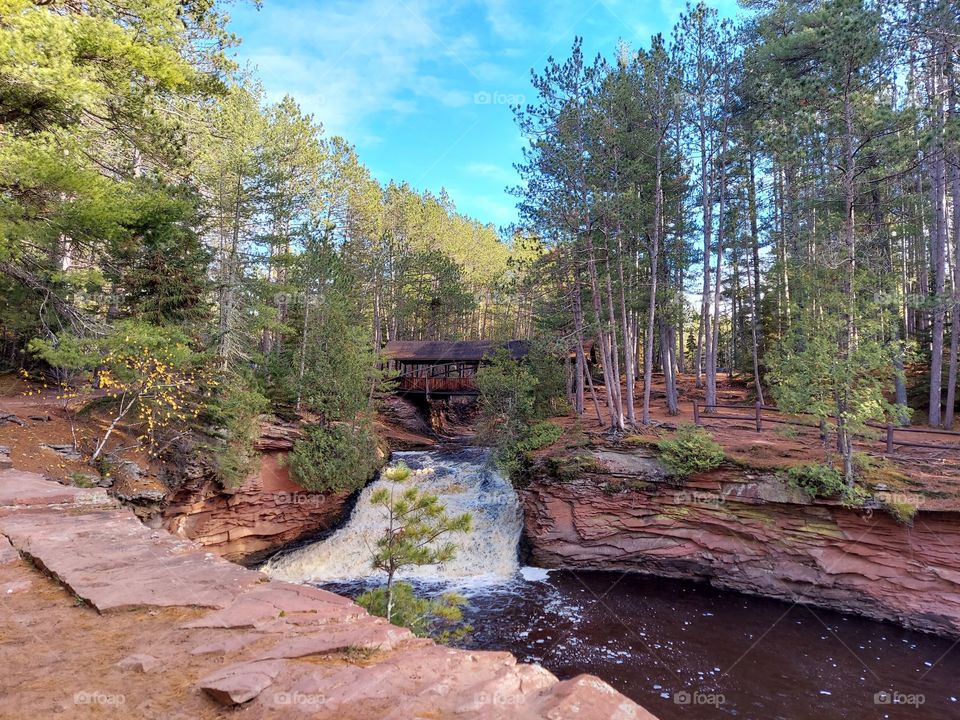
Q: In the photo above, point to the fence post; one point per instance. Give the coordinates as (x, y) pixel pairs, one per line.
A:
(759, 413)
(696, 413)
(889, 437)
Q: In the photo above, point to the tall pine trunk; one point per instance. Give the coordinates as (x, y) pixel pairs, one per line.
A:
(654, 275)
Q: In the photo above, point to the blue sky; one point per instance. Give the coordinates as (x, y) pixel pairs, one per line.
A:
(423, 87)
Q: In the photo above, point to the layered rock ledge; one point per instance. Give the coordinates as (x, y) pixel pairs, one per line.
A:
(158, 627)
(245, 524)
(269, 510)
(744, 531)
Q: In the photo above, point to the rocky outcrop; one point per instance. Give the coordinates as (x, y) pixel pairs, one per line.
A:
(240, 640)
(746, 532)
(423, 420)
(267, 511)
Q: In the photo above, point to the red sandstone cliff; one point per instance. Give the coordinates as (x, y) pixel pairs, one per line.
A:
(268, 510)
(750, 533)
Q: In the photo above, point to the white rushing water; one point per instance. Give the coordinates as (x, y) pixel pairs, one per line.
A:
(465, 481)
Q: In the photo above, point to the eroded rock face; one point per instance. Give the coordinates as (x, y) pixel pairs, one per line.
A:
(269, 510)
(266, 512)
(752, 534)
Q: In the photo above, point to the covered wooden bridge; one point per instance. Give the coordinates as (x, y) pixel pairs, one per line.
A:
(438, 368)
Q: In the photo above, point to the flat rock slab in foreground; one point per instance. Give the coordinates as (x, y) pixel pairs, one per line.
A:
(27, 489)
(277, 649)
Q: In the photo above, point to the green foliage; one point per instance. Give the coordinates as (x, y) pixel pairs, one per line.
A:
(879, 471)
(817, 480)
(901, 511)
(161, 261)
(513, 400)
(93, 103)
(440, 618)
(689, 450)
(335, 458)
(820, 480)
(151, 375)
(416, 519)
(540, 436)
(549, 392)
(507, 392)
(842, 383)
(231, 423)
(569, 469)
(416, 522)
(80, 480)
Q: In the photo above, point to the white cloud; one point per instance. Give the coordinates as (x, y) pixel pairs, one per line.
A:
(503, 21)
(346, 61)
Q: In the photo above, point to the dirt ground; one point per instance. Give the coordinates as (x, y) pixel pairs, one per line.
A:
(934, 474)
(44, 420)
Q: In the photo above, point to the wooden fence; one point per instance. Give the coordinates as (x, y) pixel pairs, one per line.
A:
(758, 418)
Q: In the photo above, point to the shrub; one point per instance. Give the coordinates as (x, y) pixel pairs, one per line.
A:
(690, 450)
(515, 396)
(334, 458)
(817, 480)
(231, 416)
(539, 436)
(901, 511)
(546, 366)
(440, 617)
(416, 520)
(824, 481)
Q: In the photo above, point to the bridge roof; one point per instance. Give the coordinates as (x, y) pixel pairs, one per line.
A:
(438, 351)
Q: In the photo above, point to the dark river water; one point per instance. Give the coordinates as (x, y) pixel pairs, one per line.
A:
(686, 650)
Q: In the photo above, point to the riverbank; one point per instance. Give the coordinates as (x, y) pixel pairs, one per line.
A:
(743, 530)
(152, 626)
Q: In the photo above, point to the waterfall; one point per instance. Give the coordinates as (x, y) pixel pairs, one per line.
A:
(465, 481)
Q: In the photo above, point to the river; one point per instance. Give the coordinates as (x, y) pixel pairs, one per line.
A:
(680, 649)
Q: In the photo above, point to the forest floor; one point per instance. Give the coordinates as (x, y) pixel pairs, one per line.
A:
(933, 475)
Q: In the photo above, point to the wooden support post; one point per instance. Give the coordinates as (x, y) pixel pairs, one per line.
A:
(889, 437)
(696, 413)
(758, 411)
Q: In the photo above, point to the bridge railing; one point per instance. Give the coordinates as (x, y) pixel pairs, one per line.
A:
(415, 383)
